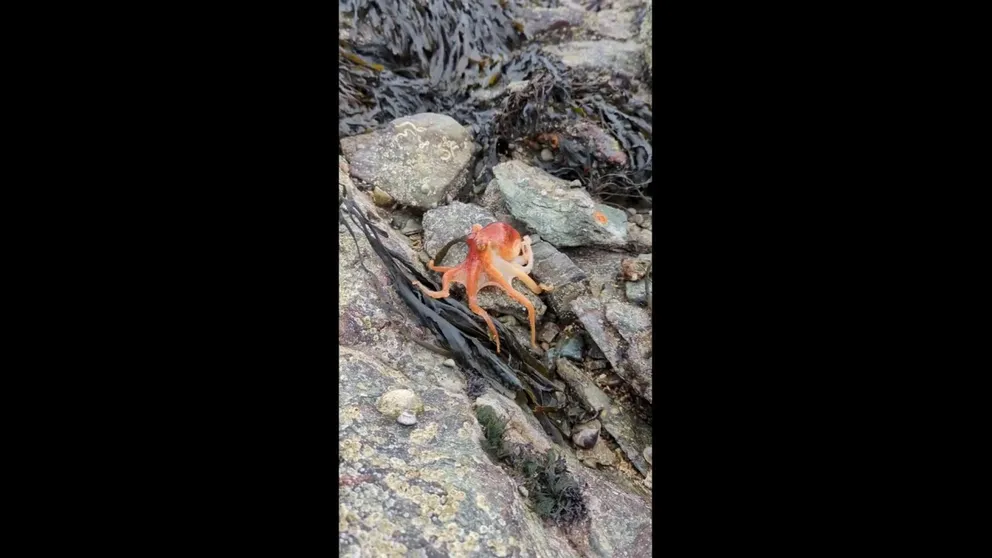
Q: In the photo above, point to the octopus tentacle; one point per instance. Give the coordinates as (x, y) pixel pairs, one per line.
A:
(496, 277)
(475, 277)
(439, 268)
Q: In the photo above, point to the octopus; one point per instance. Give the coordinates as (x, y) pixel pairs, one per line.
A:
(496, 255)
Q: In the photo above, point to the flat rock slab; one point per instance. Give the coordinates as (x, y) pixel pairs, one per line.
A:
(613, 327)
(562, 215)
(417, 159)
(601, 55)
(448, 222)
(551, 267)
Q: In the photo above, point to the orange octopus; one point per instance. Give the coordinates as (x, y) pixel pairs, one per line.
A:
(496, 254)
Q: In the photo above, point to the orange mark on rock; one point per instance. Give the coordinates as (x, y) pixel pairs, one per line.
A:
(598, 215)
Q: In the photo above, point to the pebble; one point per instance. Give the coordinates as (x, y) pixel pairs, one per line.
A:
(450, 363)
(586, 435)
(639, 219)
(523, 490)
(575, 184)
(407, 418)
(632, 211)
(381, 198)
(394, 403)
(546, 155)
(647, 455)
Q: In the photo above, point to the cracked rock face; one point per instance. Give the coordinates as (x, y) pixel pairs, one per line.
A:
(627, 56)
(417, 159)
(562, 215)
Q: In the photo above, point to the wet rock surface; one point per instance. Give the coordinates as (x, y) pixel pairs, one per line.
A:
(417, 160)
(614, 327)
(562, 215)
(620, 56)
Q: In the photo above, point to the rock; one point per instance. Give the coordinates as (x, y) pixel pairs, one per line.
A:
(492, 298)
(638, 219)
(571, 347)
(398, 401)
(631, 211)
(546, 155)
(563, 216)
(647, 455)
(548, 332)
(450, 363)
(640, 239)
(407, 418)
(604, 146)
(634, 268)
(538, 20)
(381, 198)
(586, 435)
(637, 291)
(523, 490)
(598, 454)
(647, 222)
(622, 331)
(614, 24)
(417, 159)
(343, 177)
(630, 433)
(412, 226)
(551, 267)
(449, 222)
(645, 37)
(603, 55)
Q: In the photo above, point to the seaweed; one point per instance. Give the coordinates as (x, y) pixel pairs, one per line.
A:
(493, 427)
(554, 491)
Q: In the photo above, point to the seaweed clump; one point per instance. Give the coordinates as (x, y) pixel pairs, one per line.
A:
(552, 490)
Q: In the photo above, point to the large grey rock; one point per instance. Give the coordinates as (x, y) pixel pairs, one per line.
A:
(562, 215)
(622, 331)
(601, 55)
(417, 159)
(448, 222)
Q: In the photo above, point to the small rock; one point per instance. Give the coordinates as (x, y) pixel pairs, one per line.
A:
(395, 402)
(545, 345)
(647, 455)
(523, 490)
(575, 184)
(424, 188)
(637, 291)
(412, 226)
(600, 454)
(640, 239)
(632, 211)
(633, 269)
(407, 418)
(548, 332)
(647, 223)
(546, 155)
(381, 198)
(572, 347)
(639, 219)
(586, 435)
(597, 365)
(450, 363)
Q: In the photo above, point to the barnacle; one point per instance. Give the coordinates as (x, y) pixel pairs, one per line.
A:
(496, 255)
